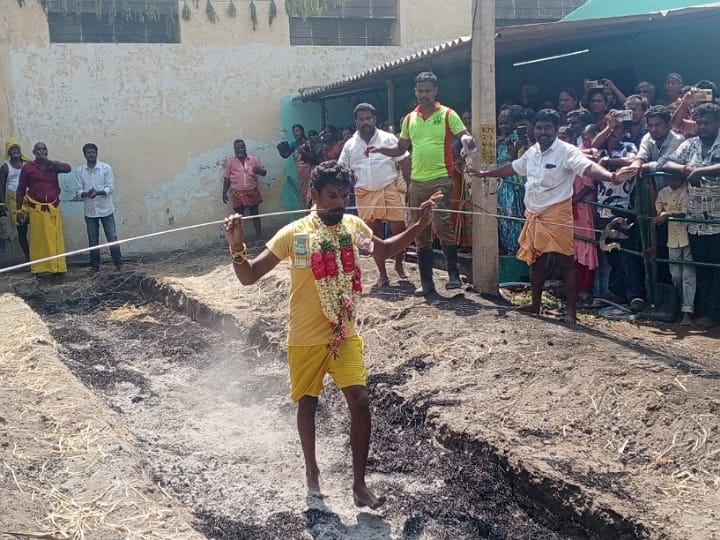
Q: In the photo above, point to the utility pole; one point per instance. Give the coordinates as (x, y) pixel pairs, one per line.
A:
(484, 191)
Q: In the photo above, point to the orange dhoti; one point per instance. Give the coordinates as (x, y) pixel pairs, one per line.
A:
(547, 231)
(246, 197)
(383, 204)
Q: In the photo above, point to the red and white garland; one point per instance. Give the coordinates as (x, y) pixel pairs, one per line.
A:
(337, 278)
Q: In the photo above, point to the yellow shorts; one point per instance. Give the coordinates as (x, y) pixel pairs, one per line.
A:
(309, 364)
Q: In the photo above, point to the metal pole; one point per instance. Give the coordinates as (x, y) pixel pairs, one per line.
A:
(484, 193)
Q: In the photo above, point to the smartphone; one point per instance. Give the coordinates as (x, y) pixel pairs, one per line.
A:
(701, 94)
(625, 115)
(594, 84)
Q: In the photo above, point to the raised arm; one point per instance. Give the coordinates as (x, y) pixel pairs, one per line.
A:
(679, 120)
(247, 271)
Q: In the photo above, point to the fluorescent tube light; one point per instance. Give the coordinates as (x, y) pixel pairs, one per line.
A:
(557, 56)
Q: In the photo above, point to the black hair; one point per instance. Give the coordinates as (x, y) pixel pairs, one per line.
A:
(592, 128)
(584, 116)
(238, 141)
(363, 107)
(644, 84)
(517, 112)
(427, 76)
(528, 114)
(548, 115)
(708, 85)
(330, 172)
(599, 92)
(659, 111)
(707, 109)
(644, 104)
(297, 126)
(88, 146)
(570, 91)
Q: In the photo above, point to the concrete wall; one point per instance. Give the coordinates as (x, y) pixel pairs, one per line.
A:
(164, 115)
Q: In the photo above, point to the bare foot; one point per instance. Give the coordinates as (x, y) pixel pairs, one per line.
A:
(572, 319)
(686, 320)
(313, 486)
(400, 270)
(383, 282)
(529, 308)
(364, 497)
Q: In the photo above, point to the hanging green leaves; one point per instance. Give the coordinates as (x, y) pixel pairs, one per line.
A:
(310, 8)
(112, 12)
(126, 11)
(253, 14)
(153, 13)
(211, 13)
(231, 10)
(186, 13)
(99, 9)
(272, 12)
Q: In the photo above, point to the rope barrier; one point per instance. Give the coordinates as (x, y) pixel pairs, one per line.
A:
(270, 214)
(482, 212)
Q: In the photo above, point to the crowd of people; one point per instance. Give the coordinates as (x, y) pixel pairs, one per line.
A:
(30, 197)
(670, 143)
(637, 135)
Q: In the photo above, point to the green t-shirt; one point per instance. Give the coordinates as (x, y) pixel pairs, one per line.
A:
(431, 140)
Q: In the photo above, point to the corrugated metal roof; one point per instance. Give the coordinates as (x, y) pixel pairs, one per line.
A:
(514, 43)
(455, 44)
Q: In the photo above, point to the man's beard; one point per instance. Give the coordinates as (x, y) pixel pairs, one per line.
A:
(332, 217)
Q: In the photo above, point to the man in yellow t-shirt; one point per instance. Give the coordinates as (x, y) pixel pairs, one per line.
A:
(322, 247)
(430, 128)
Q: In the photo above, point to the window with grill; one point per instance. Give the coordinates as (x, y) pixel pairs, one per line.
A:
(113, 21)
(356, 22)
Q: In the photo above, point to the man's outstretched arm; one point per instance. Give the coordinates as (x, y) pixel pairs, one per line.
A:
(247, 271)
(385, 249)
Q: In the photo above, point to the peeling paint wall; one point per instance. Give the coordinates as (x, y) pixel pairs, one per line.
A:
(164, 115)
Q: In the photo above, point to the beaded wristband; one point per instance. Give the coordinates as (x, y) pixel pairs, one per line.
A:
(239, 257)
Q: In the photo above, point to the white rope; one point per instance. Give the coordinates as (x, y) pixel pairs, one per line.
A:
(269, 214)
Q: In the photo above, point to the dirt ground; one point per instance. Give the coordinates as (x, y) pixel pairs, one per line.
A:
(488, 423)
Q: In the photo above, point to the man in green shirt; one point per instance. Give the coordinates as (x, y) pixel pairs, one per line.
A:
(430, 128)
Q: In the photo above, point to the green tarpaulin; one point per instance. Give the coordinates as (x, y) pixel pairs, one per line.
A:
(602, 9)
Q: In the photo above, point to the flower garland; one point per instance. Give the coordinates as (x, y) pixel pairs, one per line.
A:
(337, 278)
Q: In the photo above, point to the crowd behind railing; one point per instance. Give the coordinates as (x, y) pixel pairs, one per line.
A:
(671, 201)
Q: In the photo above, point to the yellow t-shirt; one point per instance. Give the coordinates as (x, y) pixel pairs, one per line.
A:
(308, 324)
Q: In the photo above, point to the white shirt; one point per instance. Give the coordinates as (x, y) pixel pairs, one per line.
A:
(101, 178)
(13, 178)
(373, 172)
(550, 174)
